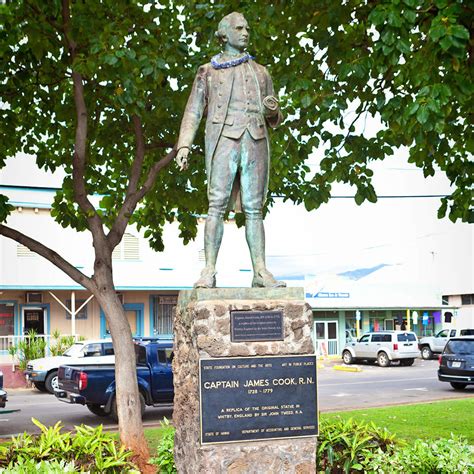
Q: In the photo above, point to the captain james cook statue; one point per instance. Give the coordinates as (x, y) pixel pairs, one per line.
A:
(237, 94)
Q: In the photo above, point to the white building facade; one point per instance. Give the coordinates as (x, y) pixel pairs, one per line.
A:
(387, 265)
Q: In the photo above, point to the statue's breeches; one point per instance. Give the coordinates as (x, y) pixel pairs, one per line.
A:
(244, 159)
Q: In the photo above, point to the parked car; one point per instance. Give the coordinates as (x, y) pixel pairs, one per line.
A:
(3, 394)
(429, 346)
(94, 385)
(456, 363)
(384, 347)
(44, 372)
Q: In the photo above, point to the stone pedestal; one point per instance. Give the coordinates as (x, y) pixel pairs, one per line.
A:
(202, 330)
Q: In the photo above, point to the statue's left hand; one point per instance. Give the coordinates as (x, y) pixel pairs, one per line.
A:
(270, 106)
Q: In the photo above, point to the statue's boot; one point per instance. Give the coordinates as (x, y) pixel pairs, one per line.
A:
(207, 279)
(264, 279)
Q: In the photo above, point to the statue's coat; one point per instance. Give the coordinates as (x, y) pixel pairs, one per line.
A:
(210, 95)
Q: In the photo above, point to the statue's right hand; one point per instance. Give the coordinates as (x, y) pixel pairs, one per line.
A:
(182, 158)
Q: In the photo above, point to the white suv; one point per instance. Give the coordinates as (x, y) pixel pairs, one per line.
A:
(44, 372)
(384, 347)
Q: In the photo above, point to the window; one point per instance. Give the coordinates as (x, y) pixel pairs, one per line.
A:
(325, 314)
(165, 356)
(92, 350)
(319, 330)
(443, 333)
(452, 333)
(386, 338)
(460, 347)
(365, 338)
(127, 249)
(164, 309)
(108, 349)
(376, 338)
(140, 355)
(22, 251)
(82, 314)
(467, 299)
(445, 300)
(467, 332)
(7, 313)
(408, 336)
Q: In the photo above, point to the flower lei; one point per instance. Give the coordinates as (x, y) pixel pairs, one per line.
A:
(231, 62)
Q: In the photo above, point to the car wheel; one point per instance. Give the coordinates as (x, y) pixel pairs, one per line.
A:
(426, 353)
(40, 386)
(96, 409)
(458, 385)
(114, 411)
(347, 358)
(383, 359)
(51, 381)
(407, 362)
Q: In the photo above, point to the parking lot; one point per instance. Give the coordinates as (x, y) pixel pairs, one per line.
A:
(338, 390)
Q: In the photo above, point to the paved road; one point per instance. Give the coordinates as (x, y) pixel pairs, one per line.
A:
(378, 386)
(374, 386)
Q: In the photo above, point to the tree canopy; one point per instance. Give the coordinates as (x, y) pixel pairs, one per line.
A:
(408, 63)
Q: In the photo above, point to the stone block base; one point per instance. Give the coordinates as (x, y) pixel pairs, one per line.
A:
(202, 330)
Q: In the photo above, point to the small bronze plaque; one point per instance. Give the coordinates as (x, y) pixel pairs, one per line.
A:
(257, 398)
(248, 326)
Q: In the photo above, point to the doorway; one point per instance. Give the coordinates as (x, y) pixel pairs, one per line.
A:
(326, 337)
(33, 320)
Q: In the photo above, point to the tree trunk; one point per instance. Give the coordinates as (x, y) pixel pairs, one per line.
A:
(128, 402)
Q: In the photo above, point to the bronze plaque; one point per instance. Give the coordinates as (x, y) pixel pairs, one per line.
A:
(249, 326)
(257, 398)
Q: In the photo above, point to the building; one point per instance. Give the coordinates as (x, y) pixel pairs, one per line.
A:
(378, 266)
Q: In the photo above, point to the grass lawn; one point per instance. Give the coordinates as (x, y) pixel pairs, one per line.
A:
(424, 420)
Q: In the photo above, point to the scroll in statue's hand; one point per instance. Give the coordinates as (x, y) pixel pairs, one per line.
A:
(270, 105)
(182, 158)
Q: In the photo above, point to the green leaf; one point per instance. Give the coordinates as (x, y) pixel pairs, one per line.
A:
(422, 114)
(437, 32)
(306, 100)
(410, 15)
(359, 198)
(459, 31)
(413, 108)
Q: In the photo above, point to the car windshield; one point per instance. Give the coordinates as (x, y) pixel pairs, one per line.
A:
(407, 336)
(74, 350)
(460, 347)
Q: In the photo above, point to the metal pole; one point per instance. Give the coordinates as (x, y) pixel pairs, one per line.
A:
(408, 320)
(73, 313)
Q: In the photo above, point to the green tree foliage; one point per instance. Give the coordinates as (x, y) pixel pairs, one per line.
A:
(407, 63)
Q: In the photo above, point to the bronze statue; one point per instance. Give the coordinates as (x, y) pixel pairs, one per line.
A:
(237, 94)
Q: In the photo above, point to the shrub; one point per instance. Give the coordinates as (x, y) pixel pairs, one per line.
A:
(88, 450)
(164, 453)
(43, 467)
(345, 446)
(31, 347)
(453, 455)
(60, 344)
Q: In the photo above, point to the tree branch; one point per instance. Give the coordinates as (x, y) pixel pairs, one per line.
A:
(155, 145)
(132, 199)
(49, 255)
(79, 158)
(139, 155)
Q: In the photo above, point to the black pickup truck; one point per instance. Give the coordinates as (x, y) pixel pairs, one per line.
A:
(94, 385)
(4, 398)
(3, 394)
